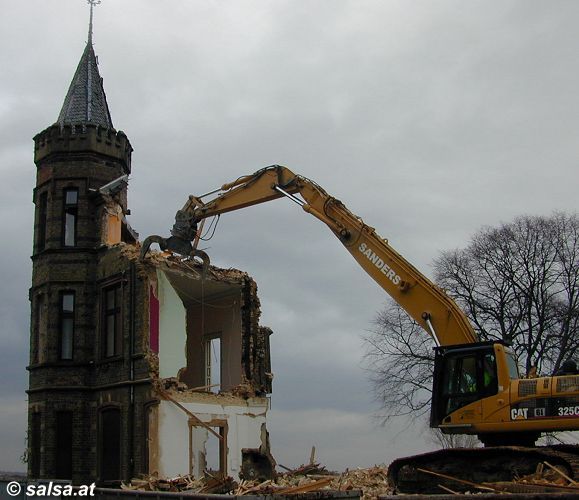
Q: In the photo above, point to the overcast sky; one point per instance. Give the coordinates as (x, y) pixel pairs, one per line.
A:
(428, 119)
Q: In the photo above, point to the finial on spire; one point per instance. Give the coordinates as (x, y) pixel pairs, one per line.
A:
(92, 4)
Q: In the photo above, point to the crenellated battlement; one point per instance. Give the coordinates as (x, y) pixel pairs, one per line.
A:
(58, 139)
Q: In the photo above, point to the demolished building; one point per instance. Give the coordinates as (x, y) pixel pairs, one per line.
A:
(212, 383)
(136, 366)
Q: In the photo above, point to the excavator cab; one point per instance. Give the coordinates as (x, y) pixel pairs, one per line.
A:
(463, 374)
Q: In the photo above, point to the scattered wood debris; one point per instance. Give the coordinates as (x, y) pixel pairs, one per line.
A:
(209, 484)
(307, 478)
(546, 479)
(372, 482)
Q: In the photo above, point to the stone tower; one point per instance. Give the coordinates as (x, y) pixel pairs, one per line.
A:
(137, 365)
(75, 158)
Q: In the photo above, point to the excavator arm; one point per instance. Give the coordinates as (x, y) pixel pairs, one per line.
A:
(476, 387)
(427, 304)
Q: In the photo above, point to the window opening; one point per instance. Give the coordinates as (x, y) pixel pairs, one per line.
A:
(214, 452)
(207, 448)
(512, 365)
(213, 363)
(112, 324)
(110, 444)
(63, 447)
(70, 216)
(460, 384)
(38, 345)
(489, 377)
(35, 446)
(467, 379)
(66, 324)
(42, 219)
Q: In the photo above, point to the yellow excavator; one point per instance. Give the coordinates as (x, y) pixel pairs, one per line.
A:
(477, 388)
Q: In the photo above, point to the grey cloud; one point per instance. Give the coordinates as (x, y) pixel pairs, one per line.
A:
(426, 119)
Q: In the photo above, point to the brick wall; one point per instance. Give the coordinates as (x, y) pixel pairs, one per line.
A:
(84, 159)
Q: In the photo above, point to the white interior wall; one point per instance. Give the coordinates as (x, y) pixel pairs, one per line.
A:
(172, 328)
(222, 318)
(244, 421)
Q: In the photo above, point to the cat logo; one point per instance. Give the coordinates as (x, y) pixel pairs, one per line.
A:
(519, 413)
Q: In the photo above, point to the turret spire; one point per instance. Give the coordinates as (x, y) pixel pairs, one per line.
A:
(92, 4)
(86, 101)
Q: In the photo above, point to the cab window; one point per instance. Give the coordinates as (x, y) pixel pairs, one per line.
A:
(460, 376)
(467, 378)
(512, 365)
(489, 374)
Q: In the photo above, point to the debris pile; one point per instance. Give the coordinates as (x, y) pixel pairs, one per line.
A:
(209, 484)
(371, 482)
(546, 479)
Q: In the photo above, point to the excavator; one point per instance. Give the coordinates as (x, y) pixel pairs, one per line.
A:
(477, 388)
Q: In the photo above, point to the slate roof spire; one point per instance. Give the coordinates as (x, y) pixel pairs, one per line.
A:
(86, 101)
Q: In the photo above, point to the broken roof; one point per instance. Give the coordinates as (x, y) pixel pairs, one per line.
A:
(188, 269)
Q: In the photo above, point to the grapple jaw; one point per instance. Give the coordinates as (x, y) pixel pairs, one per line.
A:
(176, 245)
(183, 233)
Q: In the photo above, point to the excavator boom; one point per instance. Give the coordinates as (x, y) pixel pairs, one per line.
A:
(426, 303)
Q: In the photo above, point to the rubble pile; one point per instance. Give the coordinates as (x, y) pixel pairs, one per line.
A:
(207, 484)
(371, 482)
(546, 479)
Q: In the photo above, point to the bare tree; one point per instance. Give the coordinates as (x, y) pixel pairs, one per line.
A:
(453, 440)
(518, 282)
(399, 358)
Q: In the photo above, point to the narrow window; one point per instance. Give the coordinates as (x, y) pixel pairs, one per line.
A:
(42, 218)
(41, 328)
(112, 321)
(66, 324)
(213, 363)
(63, 448)
(38, 343)
(489, 375)
(34, 446)
(70, 216)
(110, 444)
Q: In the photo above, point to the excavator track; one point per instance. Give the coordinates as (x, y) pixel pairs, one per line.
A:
(477, 465)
